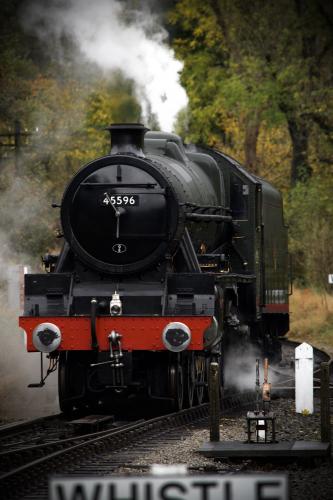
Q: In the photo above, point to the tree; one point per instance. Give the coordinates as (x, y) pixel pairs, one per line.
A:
(112, 100)
(251, 63)
(65, 104)
(310, 217)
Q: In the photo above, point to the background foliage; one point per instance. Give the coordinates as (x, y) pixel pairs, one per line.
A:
(64, 102)
(259, 80)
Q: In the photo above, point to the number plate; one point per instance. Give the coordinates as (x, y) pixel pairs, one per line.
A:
(119, 200)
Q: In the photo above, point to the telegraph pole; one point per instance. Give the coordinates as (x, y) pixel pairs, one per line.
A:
(17, 145)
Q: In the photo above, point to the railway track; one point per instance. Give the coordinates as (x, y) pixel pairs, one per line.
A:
(28, 458)
(20, 455)
(38, 431)
(22, 481)
(16, 427)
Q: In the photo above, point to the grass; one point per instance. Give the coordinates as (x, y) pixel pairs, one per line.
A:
(312, 319)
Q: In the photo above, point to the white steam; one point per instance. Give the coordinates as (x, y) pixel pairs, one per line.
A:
(114, 38)
(22, 206)
(18, 368)
(240, 369)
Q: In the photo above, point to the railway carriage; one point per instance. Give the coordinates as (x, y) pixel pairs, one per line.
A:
(172, 255)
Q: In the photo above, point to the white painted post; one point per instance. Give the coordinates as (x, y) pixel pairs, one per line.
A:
(304, 378)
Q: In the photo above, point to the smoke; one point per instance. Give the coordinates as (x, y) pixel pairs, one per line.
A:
(115, 37)
(26, 218)
(22, 210)
(18, 368)
(240, 368)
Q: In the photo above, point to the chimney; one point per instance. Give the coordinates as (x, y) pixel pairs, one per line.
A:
(127, 138)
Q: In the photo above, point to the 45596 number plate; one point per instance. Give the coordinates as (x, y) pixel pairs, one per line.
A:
(119, 200)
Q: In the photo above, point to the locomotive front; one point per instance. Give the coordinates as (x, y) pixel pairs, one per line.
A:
(171, 256)
(126, 295)
(119, 213)
(124, 212)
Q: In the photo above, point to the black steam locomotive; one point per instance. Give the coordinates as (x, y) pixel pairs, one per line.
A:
(171, 255)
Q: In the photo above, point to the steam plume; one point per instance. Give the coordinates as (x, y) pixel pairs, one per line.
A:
(22, 206)
(114, 37)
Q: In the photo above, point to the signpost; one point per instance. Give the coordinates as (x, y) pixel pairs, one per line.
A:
(304, 378)
(200, 487)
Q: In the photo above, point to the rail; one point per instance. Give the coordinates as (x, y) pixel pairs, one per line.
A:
(15, 482)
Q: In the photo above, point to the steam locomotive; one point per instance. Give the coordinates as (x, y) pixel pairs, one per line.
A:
(172, 255)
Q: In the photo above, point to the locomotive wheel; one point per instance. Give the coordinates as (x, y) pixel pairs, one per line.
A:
(201, 379)
(64, 403)
(176, 384)
(71, 383)
(189, 377)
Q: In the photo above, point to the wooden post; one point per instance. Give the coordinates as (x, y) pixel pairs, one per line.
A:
(214, 401)
(325, 416)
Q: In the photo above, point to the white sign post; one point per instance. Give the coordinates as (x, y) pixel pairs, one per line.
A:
(197, 487)
(304, 378)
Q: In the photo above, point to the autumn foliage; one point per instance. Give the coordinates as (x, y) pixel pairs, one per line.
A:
(258, 76)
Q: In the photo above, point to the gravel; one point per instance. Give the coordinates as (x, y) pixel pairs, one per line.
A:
(308, 480)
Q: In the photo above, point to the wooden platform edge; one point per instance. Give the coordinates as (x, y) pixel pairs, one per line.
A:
(282, 449)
